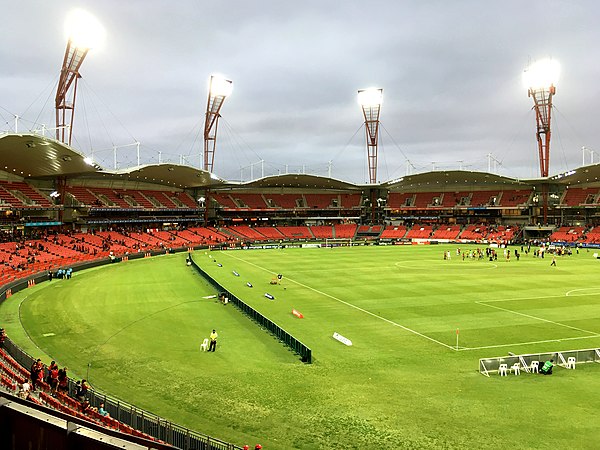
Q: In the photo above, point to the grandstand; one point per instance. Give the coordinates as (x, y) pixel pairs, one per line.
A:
(101, 215)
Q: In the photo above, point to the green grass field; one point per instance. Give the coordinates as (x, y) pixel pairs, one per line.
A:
(403, 383)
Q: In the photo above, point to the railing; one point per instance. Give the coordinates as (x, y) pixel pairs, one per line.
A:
(126, 413)
(137, 418)
(286, 338)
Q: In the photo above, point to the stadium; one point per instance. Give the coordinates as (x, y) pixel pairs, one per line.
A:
(414, 312)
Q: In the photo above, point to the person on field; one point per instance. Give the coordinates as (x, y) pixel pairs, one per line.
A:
(553, 263)
(547, 367)
(213, 341)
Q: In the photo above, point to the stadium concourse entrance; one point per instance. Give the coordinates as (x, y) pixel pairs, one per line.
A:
(537, 232)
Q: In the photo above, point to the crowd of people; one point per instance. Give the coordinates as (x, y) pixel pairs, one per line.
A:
(57, 380)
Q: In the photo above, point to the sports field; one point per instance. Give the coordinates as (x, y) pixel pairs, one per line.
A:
(402, 384)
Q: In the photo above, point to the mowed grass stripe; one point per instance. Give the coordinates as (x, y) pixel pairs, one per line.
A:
(352, 306)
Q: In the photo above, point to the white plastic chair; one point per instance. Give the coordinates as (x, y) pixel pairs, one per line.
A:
(204, 345)
(503, 370)
(515, 368)
(571, 361)
(535, 367)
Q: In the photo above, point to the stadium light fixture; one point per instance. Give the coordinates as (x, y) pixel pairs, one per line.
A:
(540, 79)
(542, 74)
(83, 32)
(219, 88)
(370, 97)
(370, 101)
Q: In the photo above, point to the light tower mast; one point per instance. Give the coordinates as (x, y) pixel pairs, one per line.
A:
(370, 101)
(219, 88)
(83, 33)
(540, 79)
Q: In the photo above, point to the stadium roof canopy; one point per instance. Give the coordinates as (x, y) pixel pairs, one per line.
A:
(166, 174)
(38, 157)
(298, 180)
(582, 175)
(35, 156)
(453, 178)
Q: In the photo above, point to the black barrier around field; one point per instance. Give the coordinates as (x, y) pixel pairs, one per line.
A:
(286, 338)
(126, 413)
(137, 418)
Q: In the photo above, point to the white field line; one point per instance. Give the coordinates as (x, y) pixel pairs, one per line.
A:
(515, 344)
(405, 265)
(542, 297)
(537, 318)
(568, 294)
(346, 303)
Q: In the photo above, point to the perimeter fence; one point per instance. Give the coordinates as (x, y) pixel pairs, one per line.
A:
(124, 412)
(286, 338)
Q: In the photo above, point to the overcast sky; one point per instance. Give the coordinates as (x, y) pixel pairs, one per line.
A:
(450, 70)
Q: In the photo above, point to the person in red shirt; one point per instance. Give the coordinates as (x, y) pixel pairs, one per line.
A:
(63, 380)
(50, 368)
(53, 376)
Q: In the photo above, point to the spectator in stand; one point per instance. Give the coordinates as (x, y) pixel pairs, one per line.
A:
(36, 367)
(86, 408)
(53, 378)
(40, 375)
(103, 412)
(50, 368)
(2, 337)
(24, 390)
(78, 390)
(81, 390)
(63, 380)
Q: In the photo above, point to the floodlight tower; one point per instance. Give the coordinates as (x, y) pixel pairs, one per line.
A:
(218, 89)
(540, 79)
(370, 101)
(83, 32)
